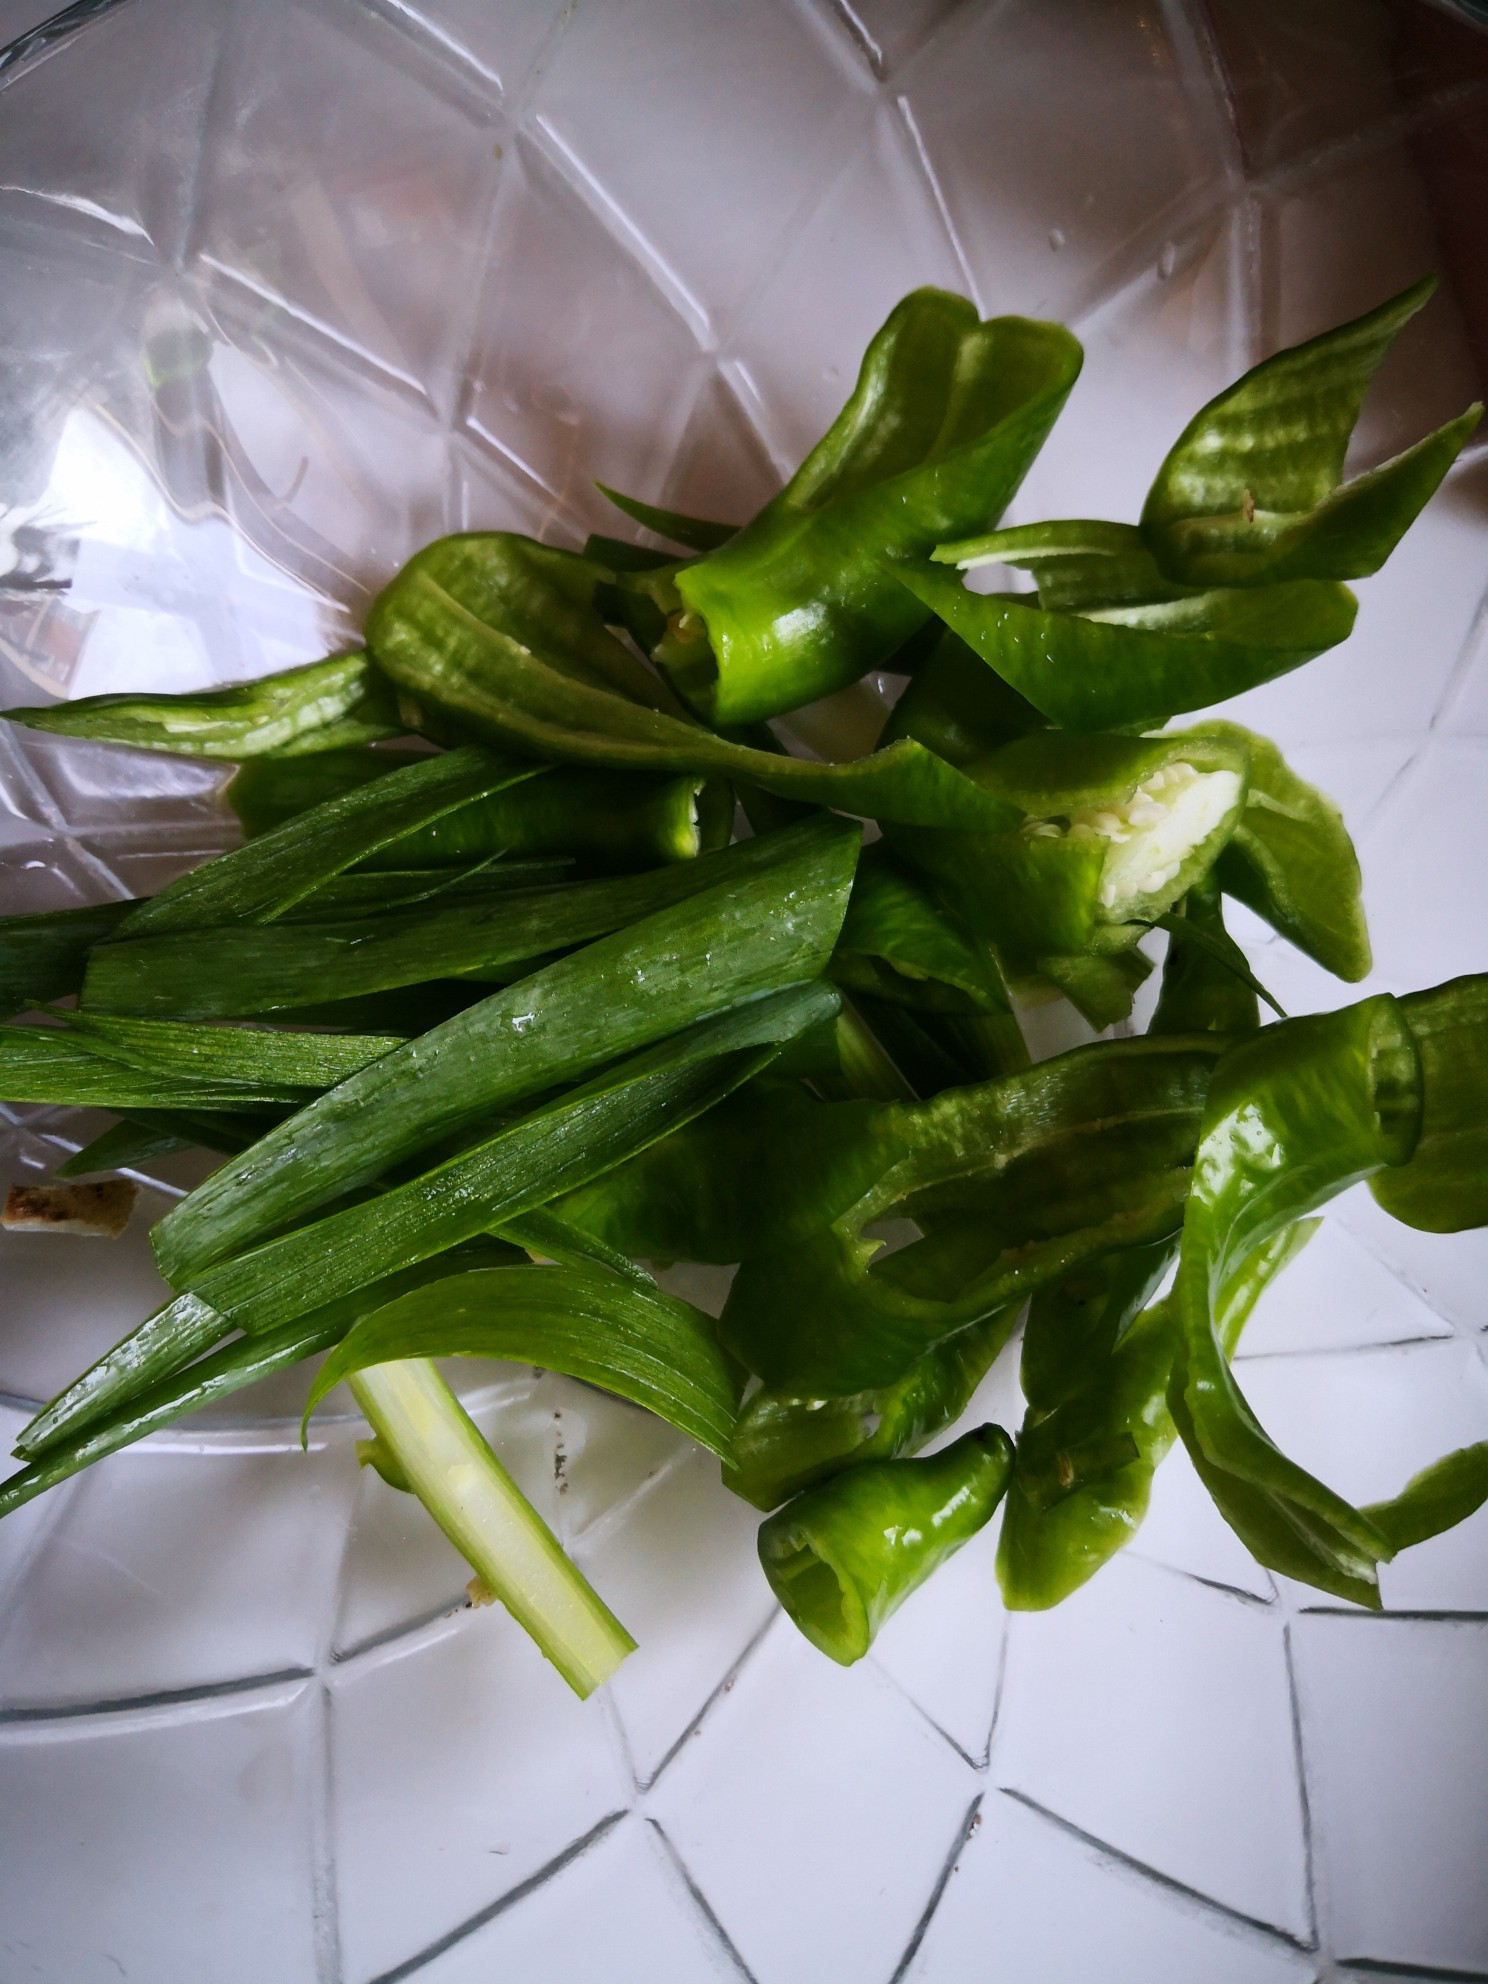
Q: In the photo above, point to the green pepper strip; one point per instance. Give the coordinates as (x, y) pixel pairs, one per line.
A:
(1013, 1183)
(1295, 1115)
(1126, 666)
(1444, 1187)
(448, 632)
(899, 944)
(1436, 1499)
(1098, 1424)
(330, 704)
(784, 1443)
(1058, 899)
(958, 707)
(1291, 860)
(946, 417)
(1250, 492)
(766, 1168)
(1076, 564)
(1207, 986)
(843, 1557)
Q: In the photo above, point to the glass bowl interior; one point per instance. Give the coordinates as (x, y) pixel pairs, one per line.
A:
(292, 287)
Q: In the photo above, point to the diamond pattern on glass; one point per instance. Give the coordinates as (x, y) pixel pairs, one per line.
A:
(215, 1798)
(1394, 1731)
(1175, 1747)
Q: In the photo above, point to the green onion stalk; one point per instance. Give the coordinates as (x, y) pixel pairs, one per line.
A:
(438, 1451)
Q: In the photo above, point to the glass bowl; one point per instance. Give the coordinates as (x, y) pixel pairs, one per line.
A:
(292, 286)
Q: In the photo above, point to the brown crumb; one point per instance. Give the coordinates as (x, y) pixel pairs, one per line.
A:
(99, 1211)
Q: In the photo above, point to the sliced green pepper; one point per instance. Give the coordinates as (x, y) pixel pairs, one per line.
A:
(762, 1170)
(1295, 1114)
(1291, 860)
(324, 707)
(1104, 835)
(1101, 990)
(784, 1442)
(1444, 1187)
(1250, 492)
(1098, 1423)
(945, 419)
(448, 632)
(844, 1556)
(1013, 1184)
(1436, 1499)
(898, 944)
(1135, 665)
(1075, 563)
(1207, 986)
(958, 707)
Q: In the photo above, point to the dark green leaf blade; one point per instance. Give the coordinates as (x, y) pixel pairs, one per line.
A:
(770, 921)
(53, 1065)
(552, 1151)
(225, 1371)
(256, 883)
(232, 973)
(44, 956)
(582, 1320)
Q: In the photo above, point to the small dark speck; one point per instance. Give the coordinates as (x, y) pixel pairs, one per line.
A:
(728, 1687)
(975, 1822)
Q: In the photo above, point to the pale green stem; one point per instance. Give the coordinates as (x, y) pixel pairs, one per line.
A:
(483, 1512)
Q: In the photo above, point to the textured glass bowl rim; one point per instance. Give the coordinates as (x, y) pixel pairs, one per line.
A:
(70, 20)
